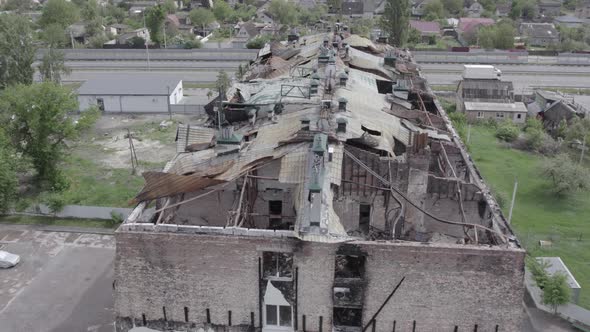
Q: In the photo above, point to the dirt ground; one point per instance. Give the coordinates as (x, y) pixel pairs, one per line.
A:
(153, 137)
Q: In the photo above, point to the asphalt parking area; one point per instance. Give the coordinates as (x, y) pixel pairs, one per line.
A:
(63, 282)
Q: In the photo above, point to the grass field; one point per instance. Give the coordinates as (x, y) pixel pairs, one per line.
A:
(72, 222)
(538, 215)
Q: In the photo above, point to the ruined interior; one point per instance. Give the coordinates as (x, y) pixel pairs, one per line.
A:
(331, 139)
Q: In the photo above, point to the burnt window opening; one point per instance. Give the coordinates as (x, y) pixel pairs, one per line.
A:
(349, 266)
(277, 265)
(348, 317)
(250, 137)
(364, 217)
(275, 208)
(278, 315)
(279, 224)
(384, 87)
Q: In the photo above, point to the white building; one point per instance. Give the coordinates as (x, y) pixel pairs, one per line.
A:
(131, 93)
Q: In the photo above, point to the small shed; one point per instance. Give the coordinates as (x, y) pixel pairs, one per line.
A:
(556, 265)
(130, 93)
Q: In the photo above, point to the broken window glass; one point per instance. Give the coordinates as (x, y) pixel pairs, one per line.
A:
(347, 317)
(285, 315)
(277, 265)
(271, 314)
(348, 266)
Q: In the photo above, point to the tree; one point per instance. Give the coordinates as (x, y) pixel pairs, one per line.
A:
(59, 12)
(201, 17)
(8, 179)
(136, 42)
(556, 291)
(169, 6)
(566, 175)
(115, 12)
(90, 10)
(54, 35)
(243, 12)
(223, 82)
(17, 49)
(284, 12)
(222, 10)
(154, 20)
(36, 117)
(500, 36)
(414, 36)
(507, 131)
(434, 10)
(578, 129)
(395, 21)
(53, 66)
(453, 6)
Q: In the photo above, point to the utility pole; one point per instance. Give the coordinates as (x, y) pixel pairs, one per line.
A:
(165, 46)
(168, 99)
(513, 199)
(134, 162)
(219, 111)
(147, 49)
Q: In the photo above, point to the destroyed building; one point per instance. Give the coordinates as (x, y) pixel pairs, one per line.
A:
(327, 192)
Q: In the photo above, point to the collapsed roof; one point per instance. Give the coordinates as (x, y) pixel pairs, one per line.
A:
(338, 119)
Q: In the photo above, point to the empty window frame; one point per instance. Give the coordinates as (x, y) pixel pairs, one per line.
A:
(348, 317)
(518, 116)
(364, 217)
(500, 115)
(278, 315)
(349, 266)
(480, 115)
(275, 208)
(277, 265)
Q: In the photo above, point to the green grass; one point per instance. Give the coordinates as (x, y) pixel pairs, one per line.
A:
(538, 215)
(579, 91)
(70, 222)
(92, 184)
(444, 87)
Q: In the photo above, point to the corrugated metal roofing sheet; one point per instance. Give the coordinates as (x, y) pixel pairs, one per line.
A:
(187, 136)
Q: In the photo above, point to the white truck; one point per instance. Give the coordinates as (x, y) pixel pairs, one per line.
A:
(481, 72)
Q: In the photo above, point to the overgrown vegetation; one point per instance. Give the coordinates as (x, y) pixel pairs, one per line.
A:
(538, 213)
(50, 221)
(555, 289)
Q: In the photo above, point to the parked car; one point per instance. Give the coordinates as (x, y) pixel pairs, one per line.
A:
(8, 260)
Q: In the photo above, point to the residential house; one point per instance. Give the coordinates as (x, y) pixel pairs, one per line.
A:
(117, 29)
(351, 9)
(482, 94)
(570, 21)
(264, 17)
(173, 22)
(468, 26)
(553, 107)
(503, 9)
(77, 32)
(429, 31)
(418, 7)
(246, 31)
(126, 37)
(583, 9)
(475, 10)
(550, 8)
(539, 34)
(131, 93)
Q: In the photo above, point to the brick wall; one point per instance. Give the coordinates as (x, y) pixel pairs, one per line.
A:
(444, 286)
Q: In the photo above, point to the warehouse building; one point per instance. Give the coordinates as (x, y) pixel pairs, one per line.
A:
(131, 93)
(315, 199)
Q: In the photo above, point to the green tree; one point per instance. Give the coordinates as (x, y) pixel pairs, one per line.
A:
(154, 20)
(201, 17)
(578, 129)
(284, 12)
(414, 36)
(38, 123)
(434, 10)
(90, 10)
(169, 6)
(8, 179)
(556, 291)
(52, 66)
(136, 42)
(395, 21)
(117, 13)
(17, 50)
(59, 12)
(223, 82)
(54, 35)
(566, 175)
(453, 6)
(507, 131)
(222, 10)
(243, 12)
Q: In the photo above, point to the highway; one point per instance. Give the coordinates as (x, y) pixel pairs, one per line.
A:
(524, 77)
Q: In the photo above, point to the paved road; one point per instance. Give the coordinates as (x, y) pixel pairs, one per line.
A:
(523, 77)
(63, 283)
(185, 75)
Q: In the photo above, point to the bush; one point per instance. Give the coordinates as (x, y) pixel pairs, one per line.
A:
(507, 131)
(566, 175)
(116, 219)
(192, 44)
(538, 271)
(55, 203)
(549, 146)
(459, 122)
(257, 42)
(556, 291)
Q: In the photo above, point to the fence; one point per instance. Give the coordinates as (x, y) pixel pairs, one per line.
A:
(503, 57)
(197, 110)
